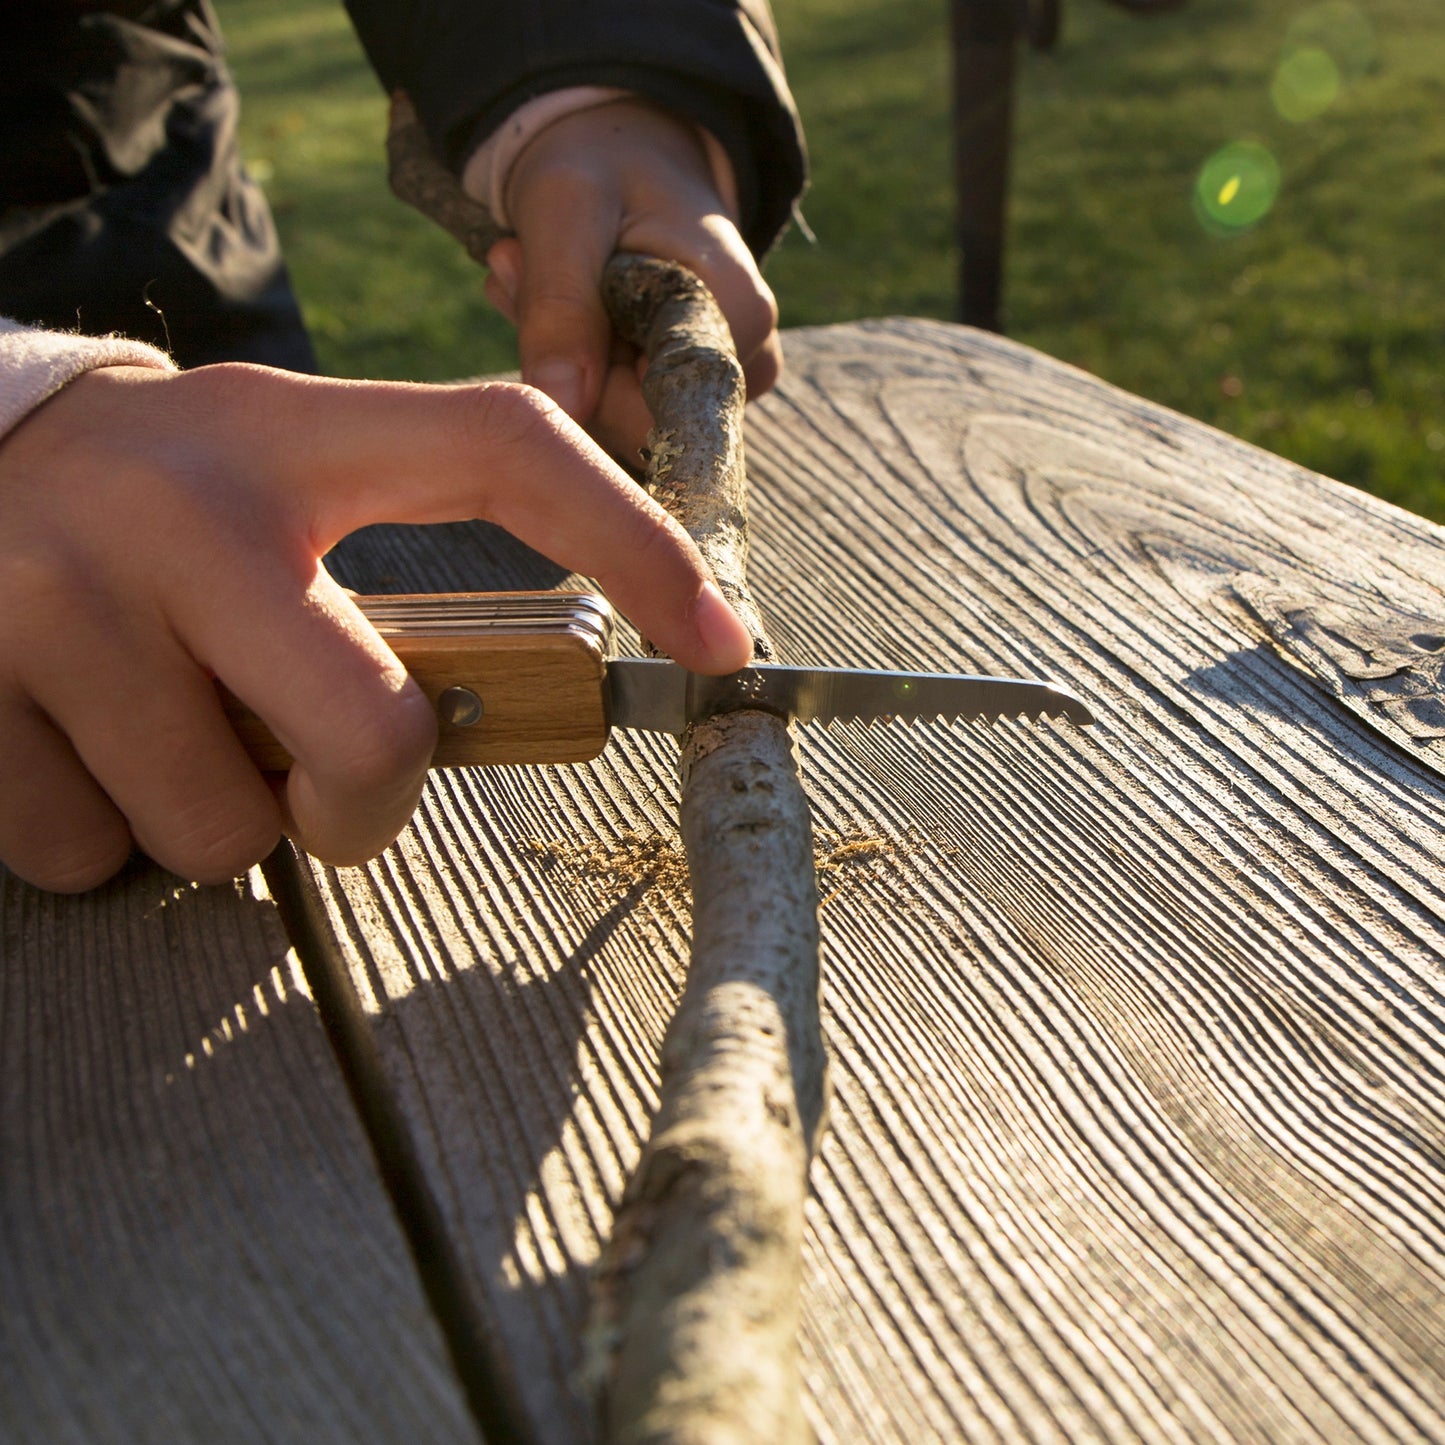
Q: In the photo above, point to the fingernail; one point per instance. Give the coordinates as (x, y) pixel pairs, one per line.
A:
(562, 381)
(721, 630)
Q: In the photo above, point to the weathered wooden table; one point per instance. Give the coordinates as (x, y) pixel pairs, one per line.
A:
(1138, 1032)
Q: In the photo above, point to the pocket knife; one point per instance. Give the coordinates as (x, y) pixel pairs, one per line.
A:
(526, 677)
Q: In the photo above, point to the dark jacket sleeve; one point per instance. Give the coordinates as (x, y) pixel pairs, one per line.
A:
(467, 64)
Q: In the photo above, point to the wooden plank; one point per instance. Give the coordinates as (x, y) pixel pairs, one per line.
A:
(196, 1242)
(518, 967)
(1139, 1032)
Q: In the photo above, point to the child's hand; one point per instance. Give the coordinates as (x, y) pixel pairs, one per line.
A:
(160, 530)
(622, 176)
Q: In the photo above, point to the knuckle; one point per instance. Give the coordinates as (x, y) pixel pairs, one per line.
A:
(385, 748)
(755, 318)
(510, 409)
(505, 415)
(41, 586)
(555, 297)
(73, 863)
(216, 840)
(762, 371)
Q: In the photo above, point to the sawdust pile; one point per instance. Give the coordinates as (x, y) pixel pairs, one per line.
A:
(630, 862)
(634, 862)
(849, 860)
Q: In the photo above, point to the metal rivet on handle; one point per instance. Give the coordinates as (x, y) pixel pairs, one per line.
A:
(460, 707)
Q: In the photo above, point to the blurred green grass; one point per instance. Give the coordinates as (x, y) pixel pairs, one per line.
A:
(1316, 333)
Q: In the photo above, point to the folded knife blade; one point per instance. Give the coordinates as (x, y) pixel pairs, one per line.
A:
(525, 677)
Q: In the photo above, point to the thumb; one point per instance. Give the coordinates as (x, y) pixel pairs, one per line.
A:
(564, 336)
(566, 232)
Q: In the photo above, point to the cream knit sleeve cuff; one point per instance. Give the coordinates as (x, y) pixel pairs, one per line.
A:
(35, 364)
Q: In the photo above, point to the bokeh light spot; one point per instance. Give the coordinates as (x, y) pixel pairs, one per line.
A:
(1342, 30)
(1306, 83)
(1236, 187)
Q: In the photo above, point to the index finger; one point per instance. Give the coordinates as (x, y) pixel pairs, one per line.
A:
(356, 453)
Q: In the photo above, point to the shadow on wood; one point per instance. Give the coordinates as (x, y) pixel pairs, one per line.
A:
(190, 1208)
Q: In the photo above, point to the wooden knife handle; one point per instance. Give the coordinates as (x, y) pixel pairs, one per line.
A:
(518, 691)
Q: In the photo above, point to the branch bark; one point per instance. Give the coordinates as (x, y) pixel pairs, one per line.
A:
(693, 1336)
(696, 1303)
(421, 180)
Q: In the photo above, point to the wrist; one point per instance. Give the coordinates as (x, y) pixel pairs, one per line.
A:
(35, 364)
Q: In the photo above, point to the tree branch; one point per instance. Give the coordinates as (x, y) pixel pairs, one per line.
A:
(695, 1318)
(696, 1304)
(421, 180)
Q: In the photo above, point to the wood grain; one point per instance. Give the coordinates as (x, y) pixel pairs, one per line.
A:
(196, 1245)
(1138, 1032)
